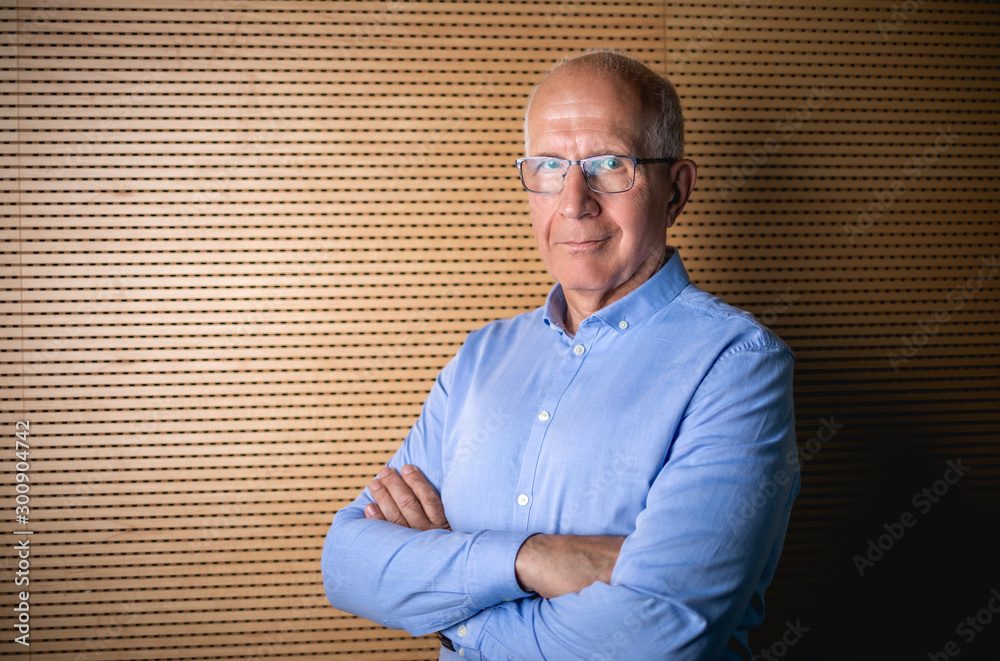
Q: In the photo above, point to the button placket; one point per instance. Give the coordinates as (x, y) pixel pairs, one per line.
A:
(564, 372)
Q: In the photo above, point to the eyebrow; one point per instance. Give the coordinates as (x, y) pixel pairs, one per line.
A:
(612, 152)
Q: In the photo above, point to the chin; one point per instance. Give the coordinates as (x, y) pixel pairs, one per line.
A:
(586, 274)
(582, 284)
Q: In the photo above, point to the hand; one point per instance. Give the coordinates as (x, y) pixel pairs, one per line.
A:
(554, 565)
(407, 499)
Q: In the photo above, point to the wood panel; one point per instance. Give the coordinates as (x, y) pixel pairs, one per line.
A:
(244, 237)
(848, 196)
(241, 238)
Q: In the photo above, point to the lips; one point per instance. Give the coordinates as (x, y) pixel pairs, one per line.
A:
(583, 243)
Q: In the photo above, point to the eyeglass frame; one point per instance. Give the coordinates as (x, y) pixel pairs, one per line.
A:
(636, 161)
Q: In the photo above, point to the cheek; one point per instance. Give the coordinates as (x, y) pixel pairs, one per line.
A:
(628, 216)
(641, 219)
(536, 231)
(539, 220)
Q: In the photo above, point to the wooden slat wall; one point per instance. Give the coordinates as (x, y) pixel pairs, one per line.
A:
(803, 117)
(250, 234)
(244, 236)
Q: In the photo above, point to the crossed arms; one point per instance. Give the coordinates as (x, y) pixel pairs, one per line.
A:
(548, 565)
(689, 575)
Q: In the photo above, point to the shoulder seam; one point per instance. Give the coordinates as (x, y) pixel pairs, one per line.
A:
(762, 337)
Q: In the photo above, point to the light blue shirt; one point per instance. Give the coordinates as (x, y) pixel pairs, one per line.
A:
(668, 418)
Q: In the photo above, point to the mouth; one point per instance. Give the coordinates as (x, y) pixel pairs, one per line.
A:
(583, 244)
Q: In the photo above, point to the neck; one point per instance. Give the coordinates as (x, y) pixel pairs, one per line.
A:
(580, 304)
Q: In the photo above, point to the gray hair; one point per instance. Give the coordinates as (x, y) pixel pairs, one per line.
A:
(661, 133)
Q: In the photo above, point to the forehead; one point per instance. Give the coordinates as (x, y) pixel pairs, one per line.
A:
(583, 109)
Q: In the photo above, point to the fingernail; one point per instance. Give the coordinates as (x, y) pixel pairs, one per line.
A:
(371, 511)
(385, 471)
(407, 469)
(375, 485)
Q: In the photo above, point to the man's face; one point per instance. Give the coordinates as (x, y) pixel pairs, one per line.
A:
(595, 244)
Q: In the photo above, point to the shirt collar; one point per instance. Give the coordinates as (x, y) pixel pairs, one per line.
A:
(555, 309)
(635, 306)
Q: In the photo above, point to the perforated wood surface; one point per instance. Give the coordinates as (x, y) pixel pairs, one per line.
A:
(242, 237)
(246, 235)
(848, 195)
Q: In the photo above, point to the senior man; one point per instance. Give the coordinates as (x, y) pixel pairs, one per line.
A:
(608, 476)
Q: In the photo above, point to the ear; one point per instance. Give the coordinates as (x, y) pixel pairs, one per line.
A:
(684, 173)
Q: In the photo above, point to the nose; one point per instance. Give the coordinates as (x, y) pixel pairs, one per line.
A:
(577, 199)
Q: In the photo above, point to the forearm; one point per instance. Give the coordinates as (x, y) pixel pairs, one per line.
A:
(601, 621)
(420, 581)
(554, 565)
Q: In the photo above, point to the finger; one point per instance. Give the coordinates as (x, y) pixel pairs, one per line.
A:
(373, 512)
(405, 500)
(430, 499)
(385, 503)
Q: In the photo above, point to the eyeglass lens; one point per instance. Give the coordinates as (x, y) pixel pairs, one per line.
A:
(604, 174)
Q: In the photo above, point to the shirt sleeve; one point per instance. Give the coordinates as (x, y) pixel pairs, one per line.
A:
(704, 548)
(413, 580)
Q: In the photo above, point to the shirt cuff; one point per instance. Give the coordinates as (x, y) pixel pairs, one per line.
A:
(490, 568)
(464, 636)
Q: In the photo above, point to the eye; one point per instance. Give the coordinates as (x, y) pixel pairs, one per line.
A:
(604, 164)
(549, 165)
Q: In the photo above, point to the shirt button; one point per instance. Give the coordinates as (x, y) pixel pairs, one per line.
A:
(461, 651)
(522, 500)
(543, 416)
(578, 349)
(623, 324)
(462, 630)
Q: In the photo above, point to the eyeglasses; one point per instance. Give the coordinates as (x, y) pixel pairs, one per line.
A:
(603, 174)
